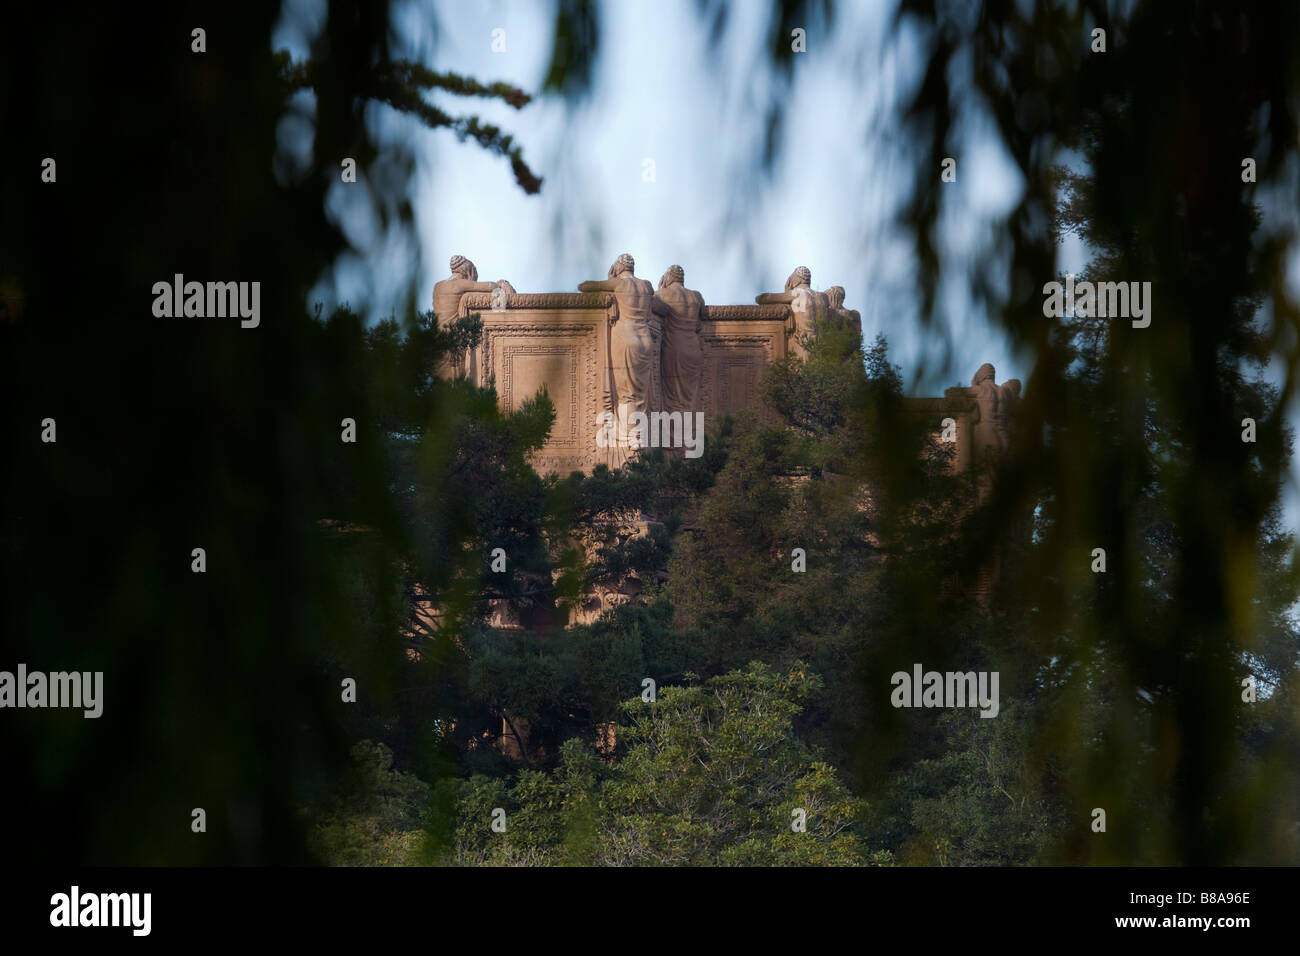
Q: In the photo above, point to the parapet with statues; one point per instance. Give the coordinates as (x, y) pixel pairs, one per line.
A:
(630, 366)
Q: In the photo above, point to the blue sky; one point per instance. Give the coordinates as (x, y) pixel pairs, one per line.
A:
(664, 94)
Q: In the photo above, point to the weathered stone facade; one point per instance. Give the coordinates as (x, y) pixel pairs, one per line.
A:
(563, 341)
(570, 344)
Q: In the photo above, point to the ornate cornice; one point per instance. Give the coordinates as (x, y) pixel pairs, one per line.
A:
(744, 313)
(482, 301)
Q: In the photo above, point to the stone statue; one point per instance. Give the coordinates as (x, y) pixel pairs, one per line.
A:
(464, 278)
(682, 355)
(446, 303)
(992, 433)
(499, 293)
(835, 304)
(807, 306)
(632, 346)
(1007, 400)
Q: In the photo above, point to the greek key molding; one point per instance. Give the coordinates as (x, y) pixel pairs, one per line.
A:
(580, 344)
(745, 313)
(571, 351)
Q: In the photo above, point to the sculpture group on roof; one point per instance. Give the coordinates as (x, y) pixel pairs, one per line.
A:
(673, 310)
(808, 308)
(657, 334)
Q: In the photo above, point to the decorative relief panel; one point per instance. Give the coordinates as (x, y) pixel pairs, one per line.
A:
(561, 341)
(735, 354)
(524, 350)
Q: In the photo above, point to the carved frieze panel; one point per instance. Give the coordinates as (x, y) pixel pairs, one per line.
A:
(736, 351)
(562, 350)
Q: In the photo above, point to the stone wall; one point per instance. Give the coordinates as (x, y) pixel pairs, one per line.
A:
(561, 341)
(739, 342)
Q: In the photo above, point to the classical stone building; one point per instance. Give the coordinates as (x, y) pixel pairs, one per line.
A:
(617, 348)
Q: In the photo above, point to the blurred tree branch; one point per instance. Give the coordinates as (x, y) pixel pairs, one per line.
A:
(402, 84)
